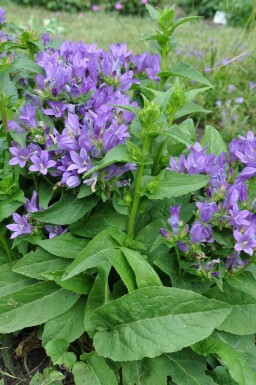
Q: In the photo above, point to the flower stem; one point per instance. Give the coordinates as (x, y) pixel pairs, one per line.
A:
(6, 247)
(164, 52)
(4, 116)
(178, 259)
(137, 190)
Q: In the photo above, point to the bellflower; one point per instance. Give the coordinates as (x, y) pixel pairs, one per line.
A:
(41, 162)
(20, 155)
(21, 226)
(238, 217)
(245, 241)
(200, 233)
(207, 209)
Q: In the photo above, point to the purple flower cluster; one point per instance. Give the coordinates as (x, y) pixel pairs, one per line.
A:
(71, 120)
(226, 206)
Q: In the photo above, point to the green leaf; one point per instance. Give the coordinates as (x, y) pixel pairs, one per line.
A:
(45, 194)
(23, 63)
(69, 325)
(153, 12)
(105, 217)
(213, 139)
(56, 348)
(183, 20)
(67, 210)
(95, 252)
(64, 245)
(190, 108)
(236, 364)
(172, 184)
(34, 305)
(8, 207)
(98, 296)
(118, 154)
(11, 282)
(150, 321)
(8, 87)
(240, 294)
(176, 133)
(80, 284)
(144, 273)
(147, 372)
(37, 262)
(94, 372)
(186, 71)
(123, 268)
(222, 376)
(186, 367)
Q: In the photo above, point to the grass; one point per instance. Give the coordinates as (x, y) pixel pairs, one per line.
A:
(112, 28)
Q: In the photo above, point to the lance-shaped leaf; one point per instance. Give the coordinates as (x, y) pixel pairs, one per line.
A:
(190, 108)
(11, 282)
(154, 320)
(213, 140)
(23, 63)
(177, 133)
(236, 364)
(240, 293)
(67, 210)
(170, 184)
(65, 245)
(94, 372)
(186, 71)
(34, 305)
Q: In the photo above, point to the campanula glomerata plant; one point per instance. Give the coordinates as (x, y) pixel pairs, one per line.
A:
(127, 244)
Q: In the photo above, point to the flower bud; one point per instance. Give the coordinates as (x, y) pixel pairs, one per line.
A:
(149, 114)
(166, 19)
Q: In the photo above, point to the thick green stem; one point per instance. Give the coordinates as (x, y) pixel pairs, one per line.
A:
(136, 198)
(6, 247)
(31, 54)
(4, 116)
(178, 259)
(164, 53)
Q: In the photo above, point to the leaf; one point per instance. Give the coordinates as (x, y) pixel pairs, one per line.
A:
(144, 273)
(240, 294)
(9, 89)
(153, 12)
(183, 20)
(190, 108)
(11, 282)
(8, 207)
(97, 249)
(80, 284)
(45, 194)
(98, 296)
(64, 245)
(34, 305)
(56, 348)
(94, 372)
(67, 210)
(213, 139)
(37, 262)
(150, 321)
(23, 63)
(69, 325)
(237, 366)
(186, 71)
(186, 367)
(123, 268)
(105, 217)
(172, 184)
(176, 133)
(222, 376)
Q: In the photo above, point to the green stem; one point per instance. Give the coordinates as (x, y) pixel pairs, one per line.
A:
(178, 258)
(4, 116)
(160, 152)
(31, 54)
(137, 190)
(164, 53)
(6, 247)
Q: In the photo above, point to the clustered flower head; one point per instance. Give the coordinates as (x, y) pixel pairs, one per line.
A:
(71, 120)
(224, 208)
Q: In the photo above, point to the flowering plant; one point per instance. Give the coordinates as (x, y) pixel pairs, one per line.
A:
(117, 290)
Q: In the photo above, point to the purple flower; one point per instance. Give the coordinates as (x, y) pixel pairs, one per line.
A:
(164, 233)
(240, 100)
(245, 242)
(200, 233)
(81, 162)
(231, 88)
(31, 205)
(184, 247)
(252, 85)
(238, 217)
(56, 230)
(2, 15)
(248, 156)
(246, 174)
(41, 162)
(21, 226)
(28, 115)
(57, 109)
(207, 209)
(46, 38)
(95, 8)
(174, 220)
(118, 6)
(20, 155)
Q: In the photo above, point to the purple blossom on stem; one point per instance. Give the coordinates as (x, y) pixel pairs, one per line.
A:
(55, 231)
(81, 162)
(41, 162)
(31, 205)
(245, 241)
(174, 220)
(20, 155)
(57, 109)
(2, 15)
(207, 209)
(238, 217)
(200, 233)
(21, 226)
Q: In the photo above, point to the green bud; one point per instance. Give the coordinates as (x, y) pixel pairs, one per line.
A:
(177, 98)
(166, 19)
(149, 114)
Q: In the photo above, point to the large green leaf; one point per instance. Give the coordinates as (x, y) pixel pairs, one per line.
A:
(213, 139)
(190, 108)
(186, 71)
(8, 207)
(94, 372)
(11, 282)
(177, 133)
(37, 262)
(145, 275)
(95, 252)
(34, 305)
(125, 271)
(67, 210)
(24, 63)
(236, 364)
(68, 326)
(8, 87)
(240, 293)
(154, 320)
(65, 245)
(80, 284)
(222, 376)
(172, 184)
